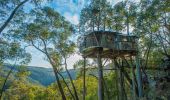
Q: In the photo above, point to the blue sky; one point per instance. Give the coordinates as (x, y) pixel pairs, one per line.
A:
(70, 9)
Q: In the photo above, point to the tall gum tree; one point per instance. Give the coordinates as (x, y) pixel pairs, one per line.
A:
(44, 33)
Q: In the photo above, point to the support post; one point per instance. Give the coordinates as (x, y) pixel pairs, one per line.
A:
(116, 75)
(117, 84)
(133, 79)
(100, 75)
(84, 79)
(121, 82)
(139, 81)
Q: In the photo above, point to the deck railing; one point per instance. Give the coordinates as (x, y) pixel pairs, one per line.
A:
(87, 42)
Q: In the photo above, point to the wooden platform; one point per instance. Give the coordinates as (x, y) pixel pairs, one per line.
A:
(91, 52)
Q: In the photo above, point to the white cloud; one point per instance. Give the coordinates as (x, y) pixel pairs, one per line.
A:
(74, 19)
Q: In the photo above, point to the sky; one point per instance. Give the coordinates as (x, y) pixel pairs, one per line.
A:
(70, 9)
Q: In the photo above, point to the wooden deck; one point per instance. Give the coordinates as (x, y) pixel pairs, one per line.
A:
(91, 52)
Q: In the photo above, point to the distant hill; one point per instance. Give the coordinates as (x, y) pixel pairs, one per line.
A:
(43, 76)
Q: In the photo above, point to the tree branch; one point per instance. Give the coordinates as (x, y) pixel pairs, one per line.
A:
(36, 47)
(66, 85)
(11, 16)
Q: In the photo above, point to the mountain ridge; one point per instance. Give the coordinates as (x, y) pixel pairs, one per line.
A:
(41, 75)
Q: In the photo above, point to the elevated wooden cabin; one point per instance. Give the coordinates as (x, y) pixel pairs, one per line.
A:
(112, 44)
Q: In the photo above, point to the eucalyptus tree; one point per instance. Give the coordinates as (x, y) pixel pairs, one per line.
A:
(47, 32)
(66, 47)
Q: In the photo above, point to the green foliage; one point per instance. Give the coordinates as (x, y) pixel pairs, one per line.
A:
(96, 16)
(12, 51)
(19, 90)
(91, 87)
(111, 83)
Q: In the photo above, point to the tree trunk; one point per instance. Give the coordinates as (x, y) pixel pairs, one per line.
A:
(106, 88)
(139, 80)
(74, 88)
(84, 80)
(3, 86)
(148, 51)
(54, 68)
(67, 86)
(127, 24)
(57, 77)
(100, 76)
(59, 84)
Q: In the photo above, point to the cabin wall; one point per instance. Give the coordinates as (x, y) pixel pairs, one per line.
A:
(125, 43)
(101, 40)
(109, 41)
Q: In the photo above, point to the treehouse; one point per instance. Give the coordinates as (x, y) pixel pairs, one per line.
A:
(112, 44)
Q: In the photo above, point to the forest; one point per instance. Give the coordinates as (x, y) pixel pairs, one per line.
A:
(109, 71)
